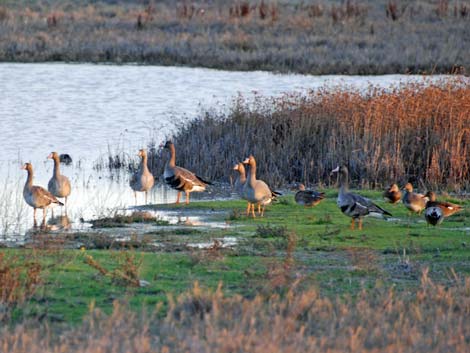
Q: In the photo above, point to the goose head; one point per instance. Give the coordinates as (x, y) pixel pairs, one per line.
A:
(168, 145)
(142, 153)
(250, 160)
(53, 155)
(28, 167)
(408, 187)
(393, 188)
(431, 195)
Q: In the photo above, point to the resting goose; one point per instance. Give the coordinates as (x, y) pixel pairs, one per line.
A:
(353, 205)
(392, 194)
(37, 196)
(143, 179)
(413, 201)
(308, 198)
(256, 191)
(447, 208)
(181, 179)
(59, 185)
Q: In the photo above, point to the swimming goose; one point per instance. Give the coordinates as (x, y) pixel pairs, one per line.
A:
(37, 196)
(143, 179)
(448, 209)
(413, 201)
(181, 179)
(256, 191)
(308, 197)
(59, 185)
(353, 205)
(392, 194)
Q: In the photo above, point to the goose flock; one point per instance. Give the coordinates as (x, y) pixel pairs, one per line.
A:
(255, 191)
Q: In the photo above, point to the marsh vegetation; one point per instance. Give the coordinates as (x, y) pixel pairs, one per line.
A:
(319, 37)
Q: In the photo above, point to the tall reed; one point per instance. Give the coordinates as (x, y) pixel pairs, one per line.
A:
(418, 133)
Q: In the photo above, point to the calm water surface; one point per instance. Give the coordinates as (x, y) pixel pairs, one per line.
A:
(86, 109)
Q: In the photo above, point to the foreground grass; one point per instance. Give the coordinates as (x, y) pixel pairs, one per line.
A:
(321, 37)
(312, 247)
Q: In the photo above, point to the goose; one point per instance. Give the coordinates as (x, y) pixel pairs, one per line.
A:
(447, 208)
(241, 179)
(434, 215)
(142, 180)
(353, 205)
(59, 185)
(308, 198)
(256, 191)
(413, 201)
(181, 179)
(392, 194)
(37, 196)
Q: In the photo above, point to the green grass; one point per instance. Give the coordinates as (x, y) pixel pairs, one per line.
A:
(326, 254)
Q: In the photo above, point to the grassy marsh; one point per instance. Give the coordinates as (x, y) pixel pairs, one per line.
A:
(320, 37)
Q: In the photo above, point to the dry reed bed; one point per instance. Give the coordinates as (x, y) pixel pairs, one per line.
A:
(431, 319)
(321, 37)
(418, 133)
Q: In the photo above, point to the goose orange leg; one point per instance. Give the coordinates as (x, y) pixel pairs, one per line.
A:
(352, 223)
(248, 209)
(44, 213)
(360, 224)
(178, 197)
(187, 197)
(253, 210)
(34, 217)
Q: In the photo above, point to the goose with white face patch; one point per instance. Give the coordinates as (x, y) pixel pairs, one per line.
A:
(142, 180)
(181, 179)
(413, 201)
(353, 205)
(59, 185)
(241, 179)
(37, 196)
(256, 191)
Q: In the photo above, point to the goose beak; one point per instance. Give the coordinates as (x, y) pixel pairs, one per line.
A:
(23, 167)
(336, 170)
(235, 167)
(246, 161)
(49, 156)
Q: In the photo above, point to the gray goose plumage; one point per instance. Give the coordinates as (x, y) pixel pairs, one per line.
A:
(392, 194)
(37, 196)
(181, 179)
(59, 185)
(308, 198)
(142, 180)
(256, 191)
(353, 205)
(413, 201)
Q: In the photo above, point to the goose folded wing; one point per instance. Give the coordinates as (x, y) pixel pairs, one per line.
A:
(45, 195)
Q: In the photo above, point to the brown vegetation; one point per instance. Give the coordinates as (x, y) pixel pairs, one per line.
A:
(320, 37)
(418, 133)
(433, 318)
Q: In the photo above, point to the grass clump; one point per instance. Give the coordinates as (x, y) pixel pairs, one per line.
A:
(119, 220)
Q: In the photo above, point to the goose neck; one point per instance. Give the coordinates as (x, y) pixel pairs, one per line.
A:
(172, 161)
(56, 167)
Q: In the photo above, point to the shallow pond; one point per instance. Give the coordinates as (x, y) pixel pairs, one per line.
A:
(88, 110)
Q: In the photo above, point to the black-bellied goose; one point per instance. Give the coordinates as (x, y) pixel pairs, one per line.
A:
(143, 179)
(392, 194)
(181, 179)
(256, 191)
(413, 201)
(59, 185)
(353, 205)
(308, 198)
(37, 196)
(448, 209)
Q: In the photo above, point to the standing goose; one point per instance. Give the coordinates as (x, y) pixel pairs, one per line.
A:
(308, 198)
(413, 201)
(59, 185)
(142, 180)
(447, 208)
(181, 179)
(392, 194)
(353, 205)
(37, 196)
(241, 179)
(256, 191)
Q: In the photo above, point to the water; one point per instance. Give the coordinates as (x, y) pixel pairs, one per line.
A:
(85, 110)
